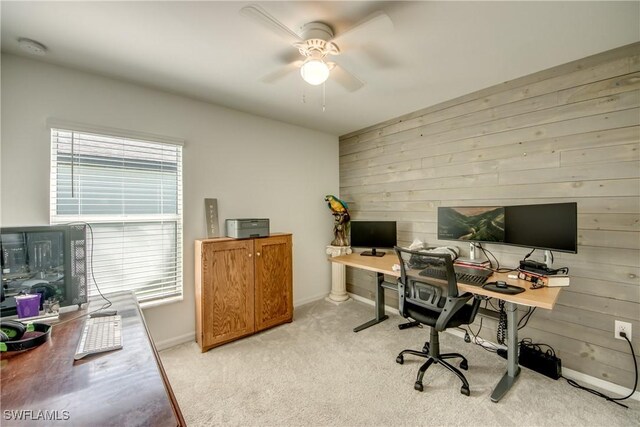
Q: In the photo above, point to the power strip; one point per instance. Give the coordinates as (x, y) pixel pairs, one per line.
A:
(544, 363)
(535, 267)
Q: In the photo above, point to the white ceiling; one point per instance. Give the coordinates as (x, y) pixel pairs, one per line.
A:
(209, 51)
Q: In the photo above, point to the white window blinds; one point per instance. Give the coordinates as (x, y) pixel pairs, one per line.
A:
(130, 191)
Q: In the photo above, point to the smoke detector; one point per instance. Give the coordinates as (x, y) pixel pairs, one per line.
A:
(32, 46)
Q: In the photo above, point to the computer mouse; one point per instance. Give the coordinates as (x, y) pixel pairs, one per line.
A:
(501, 284)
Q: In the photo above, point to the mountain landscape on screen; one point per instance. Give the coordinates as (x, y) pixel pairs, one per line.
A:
(471, 223)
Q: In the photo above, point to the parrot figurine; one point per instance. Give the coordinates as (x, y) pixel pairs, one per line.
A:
(337, 206)
(340, 212)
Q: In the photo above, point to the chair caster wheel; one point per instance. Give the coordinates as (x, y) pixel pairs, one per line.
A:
(400, 359)
(418, 386)
(464, 365)
(464, 390)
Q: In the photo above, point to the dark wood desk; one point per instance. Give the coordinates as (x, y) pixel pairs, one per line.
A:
(126, 387)
(543, 298)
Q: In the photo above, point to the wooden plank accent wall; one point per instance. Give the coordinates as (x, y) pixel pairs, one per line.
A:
(570, 133)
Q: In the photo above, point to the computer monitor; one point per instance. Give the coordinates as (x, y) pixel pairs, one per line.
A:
(374, 235)
(49, 260)
(552, 226)
(471, 223)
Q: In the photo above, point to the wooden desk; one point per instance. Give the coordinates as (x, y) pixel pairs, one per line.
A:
(122, 387)
(543, 298)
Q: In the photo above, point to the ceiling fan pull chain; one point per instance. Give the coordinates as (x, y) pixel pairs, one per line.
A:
(324, 85)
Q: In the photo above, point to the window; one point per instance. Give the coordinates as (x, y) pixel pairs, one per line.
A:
(130, 191)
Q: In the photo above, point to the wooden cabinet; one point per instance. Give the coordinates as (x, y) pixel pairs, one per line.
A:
(226, 292)
(273, 296)
(242, 286)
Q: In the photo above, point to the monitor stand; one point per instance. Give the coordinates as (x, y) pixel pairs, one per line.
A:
(548, 259)
(474, 257)
(372, 252)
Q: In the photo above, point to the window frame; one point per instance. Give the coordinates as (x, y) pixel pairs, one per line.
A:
(177, 217)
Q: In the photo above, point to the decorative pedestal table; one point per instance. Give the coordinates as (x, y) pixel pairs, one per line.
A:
(338, 275)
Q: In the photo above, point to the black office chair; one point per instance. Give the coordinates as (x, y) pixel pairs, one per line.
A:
(435, 303)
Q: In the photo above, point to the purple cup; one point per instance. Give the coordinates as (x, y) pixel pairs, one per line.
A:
(28, 305)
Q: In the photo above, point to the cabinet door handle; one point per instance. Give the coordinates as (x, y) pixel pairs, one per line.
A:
(258, 253)
(249, 254)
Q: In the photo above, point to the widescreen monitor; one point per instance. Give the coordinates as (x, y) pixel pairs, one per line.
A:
(374, 235)
(552, 226)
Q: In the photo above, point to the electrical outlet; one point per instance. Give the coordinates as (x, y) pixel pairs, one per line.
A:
(622, 327)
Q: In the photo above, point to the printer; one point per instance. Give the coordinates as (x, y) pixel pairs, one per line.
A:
(247, 227)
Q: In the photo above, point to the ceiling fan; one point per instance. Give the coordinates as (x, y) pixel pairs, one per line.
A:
(315, 43)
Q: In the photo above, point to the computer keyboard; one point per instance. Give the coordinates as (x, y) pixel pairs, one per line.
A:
(98, 335)
(466, 275)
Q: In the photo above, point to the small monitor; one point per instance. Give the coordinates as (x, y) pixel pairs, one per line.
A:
(374, 235)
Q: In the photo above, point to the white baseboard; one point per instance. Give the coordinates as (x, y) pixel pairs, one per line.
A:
(583, 379)
(588, 380)
(372, 303)
(298, 303)
(191, 336)
(172, 342)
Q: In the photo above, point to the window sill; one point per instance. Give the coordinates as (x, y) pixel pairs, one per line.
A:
(157, 303)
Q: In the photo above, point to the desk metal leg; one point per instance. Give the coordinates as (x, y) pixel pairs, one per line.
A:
(380, 316)
(513, 370)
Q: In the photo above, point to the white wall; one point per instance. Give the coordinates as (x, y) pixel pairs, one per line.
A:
(255, 167)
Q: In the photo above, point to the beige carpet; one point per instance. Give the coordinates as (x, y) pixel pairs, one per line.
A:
(317, 372)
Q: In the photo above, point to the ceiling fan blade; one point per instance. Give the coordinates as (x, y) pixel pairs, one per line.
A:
(261, 16)
(379, 57)
(370, 27)
(282, 72)
(346, 79)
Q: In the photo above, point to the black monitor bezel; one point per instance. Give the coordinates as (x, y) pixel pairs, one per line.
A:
(395, 228)
(575, 240)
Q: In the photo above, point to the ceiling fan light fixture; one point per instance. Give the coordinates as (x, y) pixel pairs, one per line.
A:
(31, 46)
(314, 71)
